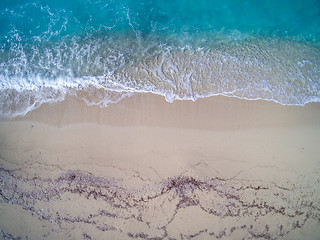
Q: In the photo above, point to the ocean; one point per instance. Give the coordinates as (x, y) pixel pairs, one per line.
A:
(102, 51)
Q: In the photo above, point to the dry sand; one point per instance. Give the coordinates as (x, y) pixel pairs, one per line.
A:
(218, 168)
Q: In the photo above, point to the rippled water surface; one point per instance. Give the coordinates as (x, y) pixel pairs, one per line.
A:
(179, 49)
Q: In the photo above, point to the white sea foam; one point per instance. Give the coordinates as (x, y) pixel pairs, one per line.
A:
(104, 70)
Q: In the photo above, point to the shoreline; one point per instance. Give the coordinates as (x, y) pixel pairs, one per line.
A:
(147, 109)
(144, 168)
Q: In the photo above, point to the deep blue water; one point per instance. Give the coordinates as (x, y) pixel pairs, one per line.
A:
(181, 49)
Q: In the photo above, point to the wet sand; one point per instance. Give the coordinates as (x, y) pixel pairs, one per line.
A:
(217, 168)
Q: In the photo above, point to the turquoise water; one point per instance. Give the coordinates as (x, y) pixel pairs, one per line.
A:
(104, 50)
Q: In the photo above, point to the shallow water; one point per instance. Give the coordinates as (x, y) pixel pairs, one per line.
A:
(178, 49)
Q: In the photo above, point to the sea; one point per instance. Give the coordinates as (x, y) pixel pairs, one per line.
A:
(102, 51)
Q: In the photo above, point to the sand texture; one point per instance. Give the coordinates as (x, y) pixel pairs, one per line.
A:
(218, 168)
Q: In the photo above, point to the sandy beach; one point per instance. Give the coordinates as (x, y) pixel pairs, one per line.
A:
(143, 168)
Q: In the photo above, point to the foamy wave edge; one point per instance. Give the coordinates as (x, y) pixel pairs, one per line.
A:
(285, 72)
(102, 97)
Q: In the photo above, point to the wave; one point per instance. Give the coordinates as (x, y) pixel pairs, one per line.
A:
(109, 68)
(103, 51)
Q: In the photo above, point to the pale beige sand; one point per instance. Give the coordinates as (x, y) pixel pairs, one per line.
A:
(218, 168)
